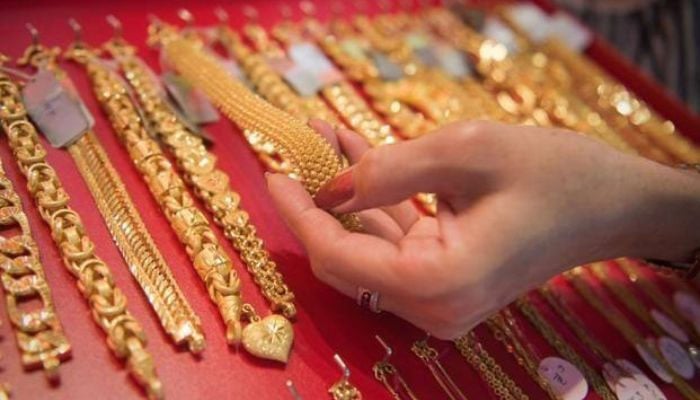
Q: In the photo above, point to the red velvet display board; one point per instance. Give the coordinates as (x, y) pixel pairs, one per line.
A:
(327, 323)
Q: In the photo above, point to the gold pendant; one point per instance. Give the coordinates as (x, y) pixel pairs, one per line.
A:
(270, 338)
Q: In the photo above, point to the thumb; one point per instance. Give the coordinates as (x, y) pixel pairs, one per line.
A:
(387, 175)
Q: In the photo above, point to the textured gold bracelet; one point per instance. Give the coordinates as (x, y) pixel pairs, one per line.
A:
(209, 183)
(311, 158)
(125, 337)
(39, 333)
(210, 261)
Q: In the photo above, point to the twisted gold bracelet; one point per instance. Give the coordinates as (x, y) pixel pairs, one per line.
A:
(39, 333)
(125, 337)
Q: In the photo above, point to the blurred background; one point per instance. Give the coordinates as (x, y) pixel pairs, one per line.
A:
(661, 36)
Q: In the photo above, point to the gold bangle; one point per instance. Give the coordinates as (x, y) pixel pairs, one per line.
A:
(125, 336)
(40, 336)
(208, 182)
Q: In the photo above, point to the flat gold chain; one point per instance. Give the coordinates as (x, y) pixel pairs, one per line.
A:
(488, 369)
(564, 349)
(208, 182)
(617, 319)
(40, 336)
(125, 336)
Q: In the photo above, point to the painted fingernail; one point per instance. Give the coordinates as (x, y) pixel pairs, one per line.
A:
(337, 191)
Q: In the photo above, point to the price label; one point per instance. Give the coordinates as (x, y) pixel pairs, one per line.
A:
(574, 35)
(669, 326)
(653, 363)
(689, 306)
(388, 69)
(676, 356)
(532, 19)
(193, 103)
(649, 385)
(309, 57)
(564, 378)
(55, 109)
(500, 32)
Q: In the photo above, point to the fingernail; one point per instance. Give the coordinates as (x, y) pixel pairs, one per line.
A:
(337, 191)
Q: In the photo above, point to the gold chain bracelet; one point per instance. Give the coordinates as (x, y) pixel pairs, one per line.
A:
(564, 349)
(209, 183)
(136, 245)
(270, 337)
(40, 336)
(125, 336)
(486, 366)
(617, 319)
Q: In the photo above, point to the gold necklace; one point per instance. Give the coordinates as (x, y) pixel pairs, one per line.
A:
(38, 331)
(429, 356)
(618, 320)
(268, 338)
(125, 337)
(486, 366)
(564, 349)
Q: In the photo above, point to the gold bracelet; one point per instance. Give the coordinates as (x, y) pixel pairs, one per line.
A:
(125, 336)
(311, 158)
(486, 366)
(564, 349)
(40, 336)
(208, 182)
(270, 337)
(618, 320)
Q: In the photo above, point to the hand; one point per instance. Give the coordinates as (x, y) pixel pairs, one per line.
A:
(517, 205)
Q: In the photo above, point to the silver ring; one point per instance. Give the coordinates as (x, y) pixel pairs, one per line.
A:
(368, 299)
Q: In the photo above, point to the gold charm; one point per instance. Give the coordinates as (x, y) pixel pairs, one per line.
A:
(270, 338)
(343, 389)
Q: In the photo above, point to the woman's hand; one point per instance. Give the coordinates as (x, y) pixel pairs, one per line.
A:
(517, 205)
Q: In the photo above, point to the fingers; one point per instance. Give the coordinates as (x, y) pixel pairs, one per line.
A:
(325, 129)
(365, 260)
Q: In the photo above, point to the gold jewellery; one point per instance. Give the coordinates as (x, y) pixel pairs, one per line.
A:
(125, 337)
(429, 356)
(39, 333)
(269, 338)
(208, 182)
(343, 389)
(386, 373)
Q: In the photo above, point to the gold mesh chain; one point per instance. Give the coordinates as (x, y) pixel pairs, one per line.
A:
(210, 261)
(618, 320)
(490, 371)
(564, 349)
(39, 333)
(125, 337)
(209, 183)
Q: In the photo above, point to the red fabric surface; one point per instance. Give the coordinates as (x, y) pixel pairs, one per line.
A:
(327, 322)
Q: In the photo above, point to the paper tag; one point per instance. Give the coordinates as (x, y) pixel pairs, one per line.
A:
(651, 390)
(500, 32)
(353, 48)
(564, 378)
(193, 103)
(676, 356)
(303, 81)
(654, 364)
(565, 28)
(310, 57)
(689, 306)
(669, 326)
(388, 70)
(453, 61)
(58, 113)
(531, 19)
(624, 386)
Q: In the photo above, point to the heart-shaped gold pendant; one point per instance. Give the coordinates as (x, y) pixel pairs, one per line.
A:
(269, 338)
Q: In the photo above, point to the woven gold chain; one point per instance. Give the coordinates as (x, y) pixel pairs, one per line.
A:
(564, 349)
(209, 183)
(39, 333)
(486, 366)
(429, 356)
(617, 319)
(210, 261)
(125, 337)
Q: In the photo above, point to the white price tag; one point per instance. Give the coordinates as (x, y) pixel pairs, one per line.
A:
(654, 364)
(564, 378)
(194, 104)
(651, 390)
(669, 326)
(676, 356)
(308, 56)
(531, 19)
(500, 32)
(689, 306)
(569, 31)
